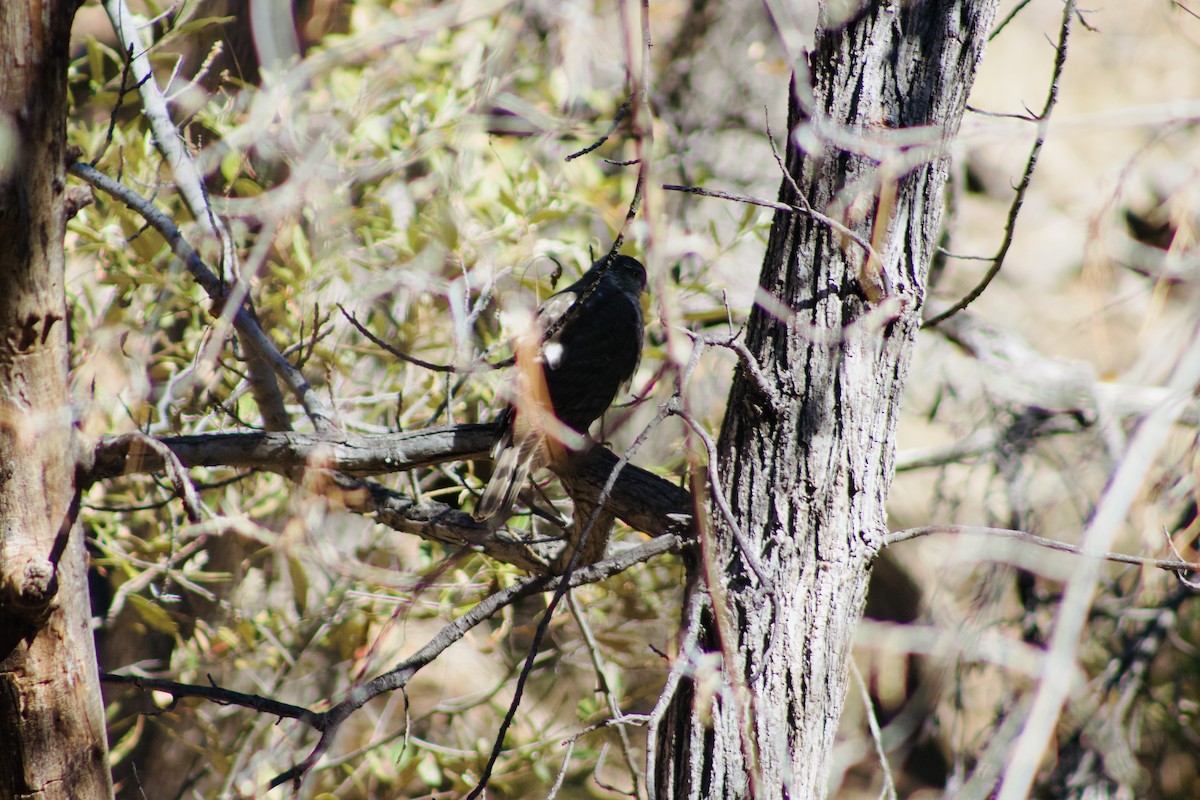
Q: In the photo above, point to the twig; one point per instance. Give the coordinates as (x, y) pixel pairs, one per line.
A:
(562, 771)
(245, 324)
(748, 361)
(1194, 585)
(225, 697)
(719, 498)
(1184, 8)
(1172, 565)
(182, 484)
(429, 365)
(123, 90)
(330, 721)
(777, 206)
(593, 648)
(1011, 15)
(737, 198)
(1073, 613)
(1043, 124)
(618, 722)
(679, 668)
(166, 137)
(889, 785)
(621, 112)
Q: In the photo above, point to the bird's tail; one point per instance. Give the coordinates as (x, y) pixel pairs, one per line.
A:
(514, 460)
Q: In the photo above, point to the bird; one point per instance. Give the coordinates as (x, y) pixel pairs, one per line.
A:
(588, 344)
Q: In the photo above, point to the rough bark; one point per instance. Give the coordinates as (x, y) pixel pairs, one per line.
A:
(52, 738)
(806, 472)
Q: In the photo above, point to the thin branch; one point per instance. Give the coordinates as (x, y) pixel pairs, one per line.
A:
(399, 676)
(1011, 15)
(984, 442)
(719, 498)
(224, 697)
(429, 365)
(123, 90)
(1171, 565)
(562, 771)
(621, 112)
(1184, 8)
(680, 667)
(777, 206)
(243, 322)
(1043, 124)
(184, 488)
(748, 361)
(1078, 598)
(889, 785)
(593, 648)
(736, 198)
(166, 137)
(1193, 585)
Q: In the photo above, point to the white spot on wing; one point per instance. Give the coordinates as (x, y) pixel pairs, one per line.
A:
(552, 353)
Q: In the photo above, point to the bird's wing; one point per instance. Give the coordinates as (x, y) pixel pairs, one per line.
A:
(555, 307)
(550, 313)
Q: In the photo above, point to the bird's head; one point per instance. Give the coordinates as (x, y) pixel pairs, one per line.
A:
(628, 273)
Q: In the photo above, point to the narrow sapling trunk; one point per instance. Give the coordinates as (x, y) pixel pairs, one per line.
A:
(806, 462)
(52, 737)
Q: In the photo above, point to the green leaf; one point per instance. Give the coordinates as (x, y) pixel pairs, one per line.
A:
(154, 615)
(300, 583)
(429, 771)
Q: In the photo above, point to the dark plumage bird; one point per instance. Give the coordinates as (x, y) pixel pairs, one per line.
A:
(590, 344)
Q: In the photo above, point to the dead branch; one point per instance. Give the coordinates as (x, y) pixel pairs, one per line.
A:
(641, 499)
(1014, 210)
(243, 321)
(1172, 565)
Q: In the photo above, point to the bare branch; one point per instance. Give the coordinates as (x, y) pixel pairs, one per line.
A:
(639, 498)
(355, 454)
(132, 443)
(398, 677)
(719, 498)
(166, 136)
(593, 648)
(243, 322)
(429, 365)
(777, 206)
(1043, 125)
(1172, 565)
(621, 112)
(224, 697)
(889, 785)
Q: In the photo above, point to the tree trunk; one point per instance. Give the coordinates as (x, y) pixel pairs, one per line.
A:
(52, 737)
(806, 472)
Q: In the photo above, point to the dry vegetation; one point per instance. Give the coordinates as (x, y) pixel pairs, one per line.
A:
(411, 168)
